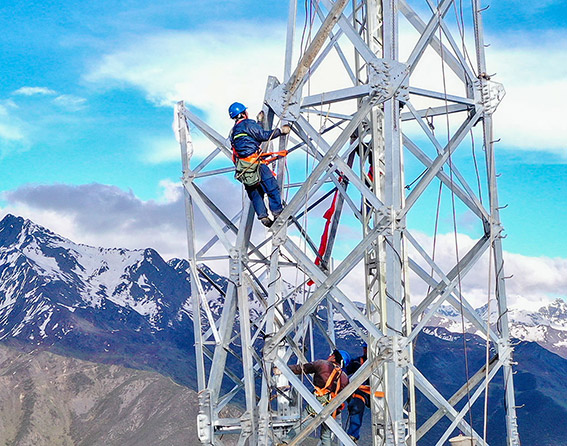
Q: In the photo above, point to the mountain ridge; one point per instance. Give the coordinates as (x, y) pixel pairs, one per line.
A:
(132, 308)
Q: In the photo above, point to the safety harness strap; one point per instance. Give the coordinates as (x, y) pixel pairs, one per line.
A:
(260, 156)
(335, 374)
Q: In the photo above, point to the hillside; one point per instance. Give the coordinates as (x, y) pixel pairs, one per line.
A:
(50, 400)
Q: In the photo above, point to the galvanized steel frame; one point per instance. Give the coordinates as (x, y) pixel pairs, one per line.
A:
(384, 97)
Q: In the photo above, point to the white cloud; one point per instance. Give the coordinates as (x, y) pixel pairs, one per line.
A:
(30, 91)
(534, 279)
(12, 134)
(533, 70)
(70, 102)
(171, 192)
(107, 216)
(208, 68)
(534, 73)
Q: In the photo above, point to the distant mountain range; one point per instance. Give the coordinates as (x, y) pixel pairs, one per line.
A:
(132, 308)
(547, 326)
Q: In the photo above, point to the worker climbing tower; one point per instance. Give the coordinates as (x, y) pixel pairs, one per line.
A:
(390, 105)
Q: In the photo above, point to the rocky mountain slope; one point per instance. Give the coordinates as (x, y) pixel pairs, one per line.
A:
(107, 305)
(50, 400)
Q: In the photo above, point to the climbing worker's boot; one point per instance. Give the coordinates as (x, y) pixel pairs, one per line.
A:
(267, 221)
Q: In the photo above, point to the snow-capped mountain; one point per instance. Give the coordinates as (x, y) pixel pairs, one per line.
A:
(45, 278)
(52, 288)
(547, 326)
(131, 307)
(114, 305)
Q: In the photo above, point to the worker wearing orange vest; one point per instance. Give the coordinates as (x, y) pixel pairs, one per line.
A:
(328, 379)
(359, 399)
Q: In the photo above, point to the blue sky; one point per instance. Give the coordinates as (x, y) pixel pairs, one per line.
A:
(86, 98)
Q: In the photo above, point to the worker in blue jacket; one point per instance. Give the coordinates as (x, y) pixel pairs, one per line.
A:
(246, 137)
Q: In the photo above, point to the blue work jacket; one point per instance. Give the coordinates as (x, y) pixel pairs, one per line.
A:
(246, 136)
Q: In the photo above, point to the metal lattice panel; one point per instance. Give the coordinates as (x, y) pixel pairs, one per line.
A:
(363, 122)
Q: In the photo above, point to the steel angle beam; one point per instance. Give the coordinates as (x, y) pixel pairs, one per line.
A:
(283, 99)
(482, 387)
(340, 301)
(333, 43)
(466, 196)
(209, 132)
(432, 112)
(329, 97)
(442, 96)
(211, 156)
(230, 225)
(443, 290)
(211, 173)
(376, 88)
(435, 397)
(456, 65)
(456, 302)
(209, 214)
(341, 166)
(183, 135)
(457, 396)
(309, 185)
(439, 161)
(428, 33)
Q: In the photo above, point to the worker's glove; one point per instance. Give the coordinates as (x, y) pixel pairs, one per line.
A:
(286, 129)
(260, 116)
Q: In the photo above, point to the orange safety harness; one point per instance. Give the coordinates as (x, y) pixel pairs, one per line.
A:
(259, 157)
(327, 390)
(364, 388)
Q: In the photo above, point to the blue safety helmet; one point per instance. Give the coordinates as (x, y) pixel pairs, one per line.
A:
(235, 109)
(346, 357)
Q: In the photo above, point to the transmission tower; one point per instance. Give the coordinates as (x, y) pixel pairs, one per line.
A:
(385, 101)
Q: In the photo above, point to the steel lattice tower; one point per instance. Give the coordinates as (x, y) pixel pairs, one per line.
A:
(363, 117)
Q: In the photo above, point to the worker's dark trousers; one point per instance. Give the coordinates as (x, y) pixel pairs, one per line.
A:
(355, 413)
(269, 186)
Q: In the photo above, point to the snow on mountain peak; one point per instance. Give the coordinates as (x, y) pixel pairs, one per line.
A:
(62, 274)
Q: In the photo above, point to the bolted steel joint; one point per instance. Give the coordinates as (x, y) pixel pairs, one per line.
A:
(491, 94)
(285, 106)
(401, 353)
(393, 348)
(234, 255)
(505, 350)
(387, 78)
(204, 418)
(246, 423)
(384, 346)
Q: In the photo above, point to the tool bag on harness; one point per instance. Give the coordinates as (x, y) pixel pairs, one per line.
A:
(247, 172)
(248, 169)
(325, 394)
